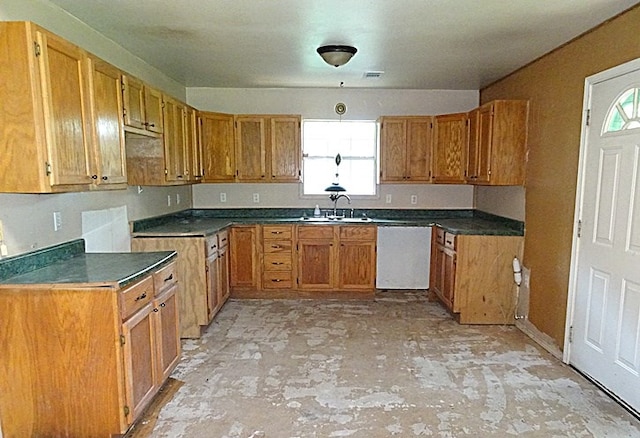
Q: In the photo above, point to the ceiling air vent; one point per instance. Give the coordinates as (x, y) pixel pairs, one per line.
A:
(373, 74)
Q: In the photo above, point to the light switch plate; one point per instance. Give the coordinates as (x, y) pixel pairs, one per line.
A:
(388, 199)
(57, 221)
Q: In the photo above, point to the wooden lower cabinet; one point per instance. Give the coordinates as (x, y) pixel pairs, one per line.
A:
(244, 272)
(92, 372)
(472, 275)
(205, 277)
(302, 260)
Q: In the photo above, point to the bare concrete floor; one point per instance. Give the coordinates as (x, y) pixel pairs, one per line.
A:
(396, 366)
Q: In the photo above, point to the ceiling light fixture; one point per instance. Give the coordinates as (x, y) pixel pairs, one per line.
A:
(336, 55)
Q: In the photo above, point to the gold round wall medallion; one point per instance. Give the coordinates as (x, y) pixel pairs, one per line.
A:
(340, 108)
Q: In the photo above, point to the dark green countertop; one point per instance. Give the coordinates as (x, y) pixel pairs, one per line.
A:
(203, 222)
(69, 264)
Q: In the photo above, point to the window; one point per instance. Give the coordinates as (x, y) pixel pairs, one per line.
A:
(625, 113)
(355, 141)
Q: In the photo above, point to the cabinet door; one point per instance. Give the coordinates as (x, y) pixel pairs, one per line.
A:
(193, 149)
(419, 138)
(213, 286)
(174, 151)
(66, 118)
(357, 265)
(216, 135)
(285, 149)
(133, 102)
(485, 141)
(223, 275)
(316, 260)
(251, 148)
(449, 148)
(167, 333)
(393, 150)
(139, 360)
(244, 271)
(153, 110)
(471, 173)
(105, 93)
(449, 278)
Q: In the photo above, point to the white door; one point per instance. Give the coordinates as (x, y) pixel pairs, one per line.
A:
(605, 319)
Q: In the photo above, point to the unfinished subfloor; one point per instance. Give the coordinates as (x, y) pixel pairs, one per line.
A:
(395, 366)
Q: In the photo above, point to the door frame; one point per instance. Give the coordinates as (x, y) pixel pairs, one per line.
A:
(589, 82)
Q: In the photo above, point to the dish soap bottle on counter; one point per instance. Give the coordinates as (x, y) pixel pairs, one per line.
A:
(316, 211)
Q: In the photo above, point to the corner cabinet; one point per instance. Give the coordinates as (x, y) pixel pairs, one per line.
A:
(449, 148)
(472, 275)
(497, 146)
(93, 372)
(405, 149)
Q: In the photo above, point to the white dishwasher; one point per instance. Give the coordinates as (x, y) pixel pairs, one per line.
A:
(404, 254)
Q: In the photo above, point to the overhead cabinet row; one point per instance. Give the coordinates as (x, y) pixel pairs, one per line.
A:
(486, 146)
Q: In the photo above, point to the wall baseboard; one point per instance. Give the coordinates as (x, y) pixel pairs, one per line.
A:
(545, 341)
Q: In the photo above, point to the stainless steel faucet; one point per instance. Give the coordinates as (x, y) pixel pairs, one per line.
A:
(334, 197)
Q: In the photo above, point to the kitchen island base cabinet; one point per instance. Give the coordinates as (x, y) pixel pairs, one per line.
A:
(203, 266)
(84, 361)
(472, 276)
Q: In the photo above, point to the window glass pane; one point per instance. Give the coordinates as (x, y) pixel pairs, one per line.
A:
(625, 113)
(356, 144)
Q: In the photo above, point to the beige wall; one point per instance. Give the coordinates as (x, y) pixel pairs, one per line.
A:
(555, 86)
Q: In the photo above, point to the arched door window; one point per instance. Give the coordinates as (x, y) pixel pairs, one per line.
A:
(625, 112)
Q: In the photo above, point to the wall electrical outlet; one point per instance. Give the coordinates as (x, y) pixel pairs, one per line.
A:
(168, 200)
(387, 199)
(414, 199)
(57, 221)
(177, 198)
(256, 197)
(223, 197)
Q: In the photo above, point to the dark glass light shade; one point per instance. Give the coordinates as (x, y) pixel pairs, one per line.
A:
(335, 187)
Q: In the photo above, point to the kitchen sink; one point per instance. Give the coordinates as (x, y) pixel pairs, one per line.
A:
(337, 219)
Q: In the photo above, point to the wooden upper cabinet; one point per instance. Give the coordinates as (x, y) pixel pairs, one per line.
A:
(216, 138)
(44, 112)
(405, 149)
(497, 144)
(251, 148)
(106, 126)
(192, 145)
(142, 107)
(449, 148)
(175, 155)
(268, 148)
(285, 151)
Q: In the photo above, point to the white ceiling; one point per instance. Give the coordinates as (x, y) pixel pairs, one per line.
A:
(418, 44)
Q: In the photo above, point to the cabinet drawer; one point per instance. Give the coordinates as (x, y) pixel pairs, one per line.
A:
(439, 235)
(280, 232)
(211, 243)
(450, 241)
(223, 238)
(277, 247)
(277, 280)
(277, 262)
(315, 232)
(165, 277)
(357, 232)
(135, 297)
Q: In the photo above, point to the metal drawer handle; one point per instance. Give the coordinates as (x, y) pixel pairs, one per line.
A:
(141, 297)
(169, 278)
(163, 305)
(275, 246)
(277, 263)
(276, 280)
(276, 232)
(156, 310)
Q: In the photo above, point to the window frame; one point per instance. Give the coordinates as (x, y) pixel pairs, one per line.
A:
(376, 163)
